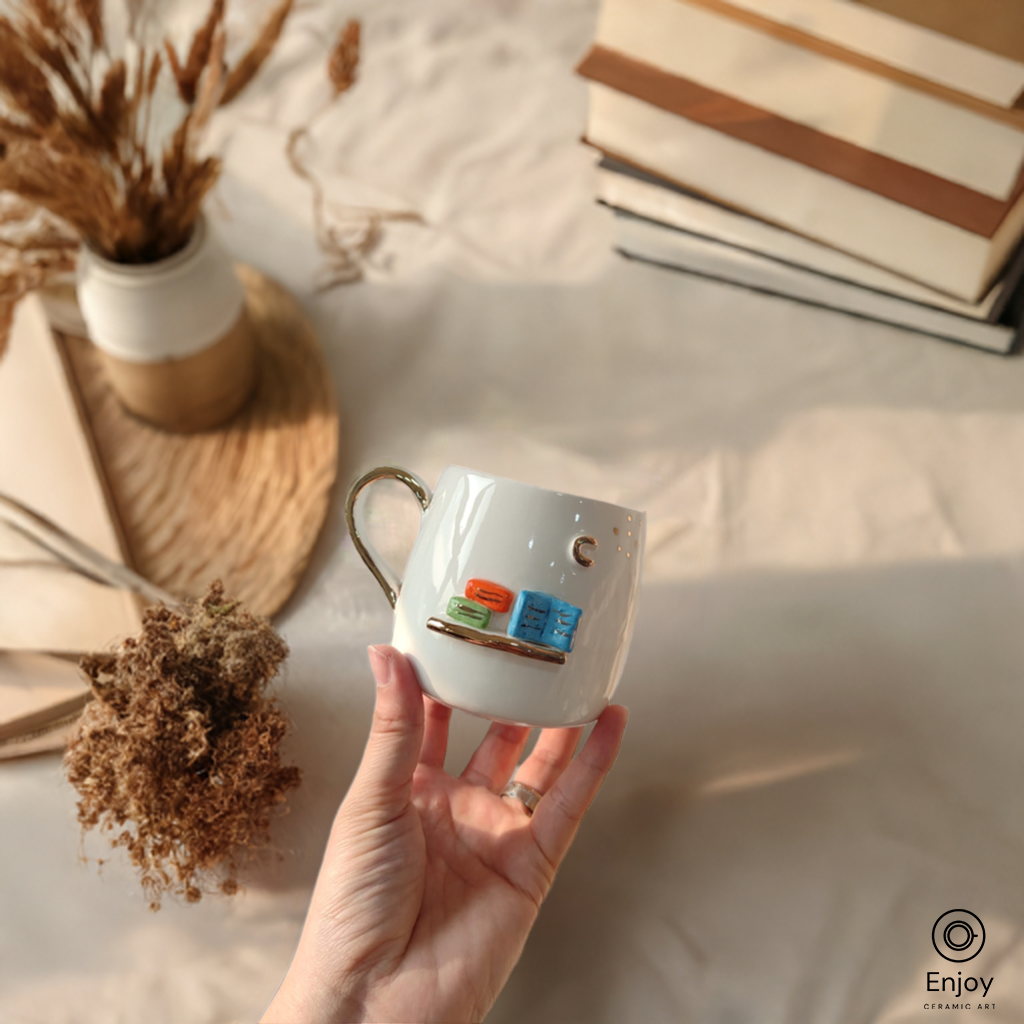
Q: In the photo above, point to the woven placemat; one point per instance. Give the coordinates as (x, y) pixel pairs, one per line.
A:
(243, 503)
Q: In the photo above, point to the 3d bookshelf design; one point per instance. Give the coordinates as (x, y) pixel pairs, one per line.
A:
(539, 625)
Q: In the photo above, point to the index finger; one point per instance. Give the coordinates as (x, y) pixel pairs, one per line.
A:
(558, 815)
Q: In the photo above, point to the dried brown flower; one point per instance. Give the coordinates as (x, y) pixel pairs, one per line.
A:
(178, 754)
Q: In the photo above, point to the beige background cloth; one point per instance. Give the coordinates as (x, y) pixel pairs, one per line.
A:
(827, 681)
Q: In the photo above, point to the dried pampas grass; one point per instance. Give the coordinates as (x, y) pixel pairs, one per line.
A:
(77, 128)
(245, 70)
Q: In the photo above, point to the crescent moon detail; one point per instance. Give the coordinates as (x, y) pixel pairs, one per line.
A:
(577, 545)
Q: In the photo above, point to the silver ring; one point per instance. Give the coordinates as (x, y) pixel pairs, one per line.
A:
(526, 795)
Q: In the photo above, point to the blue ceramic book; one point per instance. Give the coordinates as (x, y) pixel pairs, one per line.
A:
(544, 619)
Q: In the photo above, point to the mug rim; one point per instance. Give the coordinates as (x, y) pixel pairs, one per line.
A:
(542, 490)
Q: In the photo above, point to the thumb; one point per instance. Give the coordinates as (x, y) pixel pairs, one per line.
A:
(384, 779)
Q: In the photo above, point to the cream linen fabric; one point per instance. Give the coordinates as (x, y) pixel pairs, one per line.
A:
(827, 681)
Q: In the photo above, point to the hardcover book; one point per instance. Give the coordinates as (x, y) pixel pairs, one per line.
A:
(956, 49)
(994, 25)
(625, 189)
(941, 234)
(680, 250)
(861, 127)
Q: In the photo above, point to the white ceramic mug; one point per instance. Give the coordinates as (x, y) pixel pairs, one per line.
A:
(518, 603)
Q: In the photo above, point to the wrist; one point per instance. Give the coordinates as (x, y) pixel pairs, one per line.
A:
(285, 1010)
(307, 1000)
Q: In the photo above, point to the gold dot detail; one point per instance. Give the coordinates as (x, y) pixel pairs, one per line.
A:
(629, 533)
(615, 530)
(629, 519)
(619, 547)
(627, 554)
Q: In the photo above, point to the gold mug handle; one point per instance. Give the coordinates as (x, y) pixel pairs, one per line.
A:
(392, 586)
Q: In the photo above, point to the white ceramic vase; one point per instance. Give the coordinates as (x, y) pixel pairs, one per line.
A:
(175, 336)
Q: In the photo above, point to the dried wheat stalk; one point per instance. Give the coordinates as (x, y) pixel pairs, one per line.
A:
(75, 129)
(347, 235)
(34, 248)
(76, 139)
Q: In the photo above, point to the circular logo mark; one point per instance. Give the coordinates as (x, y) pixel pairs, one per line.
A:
(958, 936)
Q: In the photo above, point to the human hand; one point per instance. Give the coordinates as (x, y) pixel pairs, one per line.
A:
(431, 882)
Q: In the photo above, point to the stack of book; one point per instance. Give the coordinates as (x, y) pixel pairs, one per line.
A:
(864, 156)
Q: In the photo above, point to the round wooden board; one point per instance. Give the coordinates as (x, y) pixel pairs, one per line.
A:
(243, 503)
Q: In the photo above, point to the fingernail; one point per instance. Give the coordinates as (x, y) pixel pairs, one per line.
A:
(380, 664)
